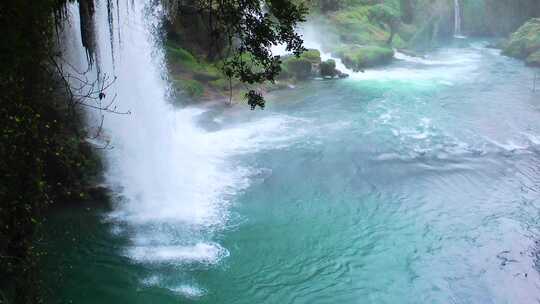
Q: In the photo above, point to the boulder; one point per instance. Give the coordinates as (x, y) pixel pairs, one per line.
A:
(328, 68)
(358, 58)
(525, 41)
(299, 68)
(302, 67)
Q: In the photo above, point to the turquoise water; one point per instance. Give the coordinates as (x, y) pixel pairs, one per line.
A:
(416, 183)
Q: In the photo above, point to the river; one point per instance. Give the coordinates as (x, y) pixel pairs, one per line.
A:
(414, 183)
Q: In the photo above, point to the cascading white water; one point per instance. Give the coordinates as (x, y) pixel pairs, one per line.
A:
(172, 178)
(311, 41)
(457, 19)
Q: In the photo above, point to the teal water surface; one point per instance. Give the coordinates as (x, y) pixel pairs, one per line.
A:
(416, 183)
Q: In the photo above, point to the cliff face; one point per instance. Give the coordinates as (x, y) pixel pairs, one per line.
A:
(434, 21)
(497, 17)
(45, 158)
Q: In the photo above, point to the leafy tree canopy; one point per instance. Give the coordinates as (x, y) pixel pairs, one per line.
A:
(250, 29)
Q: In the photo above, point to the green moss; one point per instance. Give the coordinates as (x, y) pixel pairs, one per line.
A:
(223, 83)
(207, 74)
(358, 58)
(191, 87)
(181, 57)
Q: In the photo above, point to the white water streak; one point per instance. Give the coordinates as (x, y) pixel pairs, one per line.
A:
(457, 20)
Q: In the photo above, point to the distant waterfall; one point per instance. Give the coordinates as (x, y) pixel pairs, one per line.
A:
(457, 19)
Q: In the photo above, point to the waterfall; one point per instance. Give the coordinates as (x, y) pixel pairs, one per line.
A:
(457, 19)
(173, 180)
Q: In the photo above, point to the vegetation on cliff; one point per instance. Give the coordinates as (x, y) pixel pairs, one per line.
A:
(237, 37)
(362, 33)
(45, 158)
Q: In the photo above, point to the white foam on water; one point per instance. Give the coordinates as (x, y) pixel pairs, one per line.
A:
(206, 253)
(188, 291)
(534, 139)
(427, 61)
(184, 290)
(311, 41)
(151, 281)
(444, 67)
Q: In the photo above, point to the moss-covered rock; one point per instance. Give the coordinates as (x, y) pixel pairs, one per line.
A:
(299, 68)
(328, 68)
(359, 58)
(302, 67)
(525, 41)
(534, 59)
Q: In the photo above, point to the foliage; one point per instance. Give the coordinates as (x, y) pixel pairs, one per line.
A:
(255, 99)
(311, 55)
(181, 57)
(192, 87)
(330, 5)
(384, 14)
(354, 27)
(252, 28)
